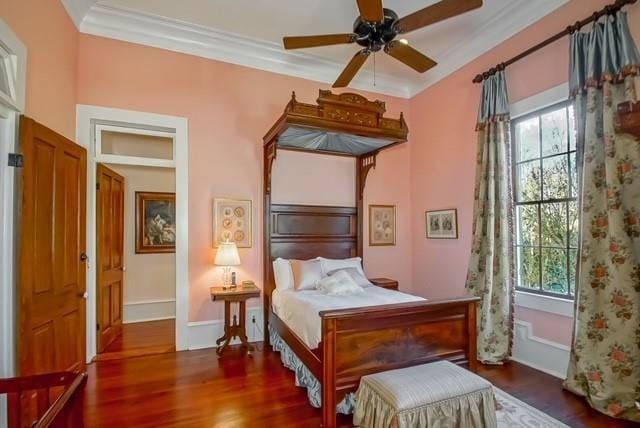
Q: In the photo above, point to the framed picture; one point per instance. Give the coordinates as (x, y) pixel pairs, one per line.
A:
(155, 222)
(442, 224)
(382, 225)
(232, 221)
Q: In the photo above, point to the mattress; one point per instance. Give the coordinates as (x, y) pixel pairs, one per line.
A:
(299, 310)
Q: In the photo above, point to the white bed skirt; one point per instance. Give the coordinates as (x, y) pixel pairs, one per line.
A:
(304, 377)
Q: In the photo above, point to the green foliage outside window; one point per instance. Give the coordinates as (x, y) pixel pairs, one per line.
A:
(546, 207)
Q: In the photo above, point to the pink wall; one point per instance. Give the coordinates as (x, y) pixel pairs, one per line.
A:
(443, 151)
(51, 40)
(229, 109)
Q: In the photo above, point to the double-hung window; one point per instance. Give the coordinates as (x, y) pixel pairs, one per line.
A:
(544, 171)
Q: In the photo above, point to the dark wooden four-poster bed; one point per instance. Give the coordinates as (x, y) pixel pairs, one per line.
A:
(364, 340)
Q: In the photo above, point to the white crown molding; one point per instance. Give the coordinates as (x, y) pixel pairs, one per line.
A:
(179, 36)
(175, 35)
(76, 9)
(512, 20)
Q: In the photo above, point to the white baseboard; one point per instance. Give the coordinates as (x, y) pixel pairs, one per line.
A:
(538, 353)
(149, 310)
(203, 334)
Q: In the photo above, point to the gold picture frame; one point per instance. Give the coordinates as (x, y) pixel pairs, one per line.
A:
(382, 225)
(155, 222)
(233, 220)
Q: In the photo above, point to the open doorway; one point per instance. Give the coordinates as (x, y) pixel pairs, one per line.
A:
(170, 134)
(135, 243)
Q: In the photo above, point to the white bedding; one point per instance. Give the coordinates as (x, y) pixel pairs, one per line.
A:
(300, 309)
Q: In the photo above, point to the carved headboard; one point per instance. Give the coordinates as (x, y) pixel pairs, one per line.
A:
(306, 231)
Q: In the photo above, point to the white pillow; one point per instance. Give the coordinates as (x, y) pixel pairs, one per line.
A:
(356, 275)
(339, 284)
(283, 274)
(331, 265)
(306, 274)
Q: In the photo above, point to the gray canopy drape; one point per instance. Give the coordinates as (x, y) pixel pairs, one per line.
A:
(605, 357)
(491, 265)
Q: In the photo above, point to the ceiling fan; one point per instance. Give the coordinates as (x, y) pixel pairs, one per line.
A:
(376, 29)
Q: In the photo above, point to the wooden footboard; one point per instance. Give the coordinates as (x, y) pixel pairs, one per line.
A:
(361, 341)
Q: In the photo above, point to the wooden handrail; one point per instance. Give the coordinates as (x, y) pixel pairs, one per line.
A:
(33, 382)
(66, 411)
(64, 406)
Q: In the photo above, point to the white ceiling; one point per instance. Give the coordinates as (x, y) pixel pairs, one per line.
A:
(249, 32)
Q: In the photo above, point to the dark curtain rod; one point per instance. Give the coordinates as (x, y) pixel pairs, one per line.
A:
(607, 10)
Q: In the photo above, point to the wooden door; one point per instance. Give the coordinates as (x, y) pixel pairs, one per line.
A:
(51, 266)
(110, 260)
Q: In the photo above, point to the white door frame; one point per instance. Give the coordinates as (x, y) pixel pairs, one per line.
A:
(13, 53)
(8, 238)
(86, 119)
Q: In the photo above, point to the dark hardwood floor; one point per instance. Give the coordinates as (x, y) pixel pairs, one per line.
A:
(196, 389)
(141, 339)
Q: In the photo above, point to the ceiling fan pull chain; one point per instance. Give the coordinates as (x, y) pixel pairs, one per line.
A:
(374, 69)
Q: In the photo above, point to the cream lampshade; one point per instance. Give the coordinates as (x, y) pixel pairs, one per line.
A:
(226, 257)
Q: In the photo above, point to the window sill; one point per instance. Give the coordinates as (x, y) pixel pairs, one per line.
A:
(549, 304)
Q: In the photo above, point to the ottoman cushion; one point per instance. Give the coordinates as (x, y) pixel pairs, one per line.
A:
(439, 394)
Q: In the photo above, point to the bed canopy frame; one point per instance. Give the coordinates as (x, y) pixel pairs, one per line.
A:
(358, 341)
(340, 124)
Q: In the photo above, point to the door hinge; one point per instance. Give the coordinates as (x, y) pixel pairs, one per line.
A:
(98, 327)
(16, 160)
(97, 186)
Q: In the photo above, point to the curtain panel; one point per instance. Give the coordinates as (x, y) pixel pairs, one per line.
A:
(605, 358)
(491, 265)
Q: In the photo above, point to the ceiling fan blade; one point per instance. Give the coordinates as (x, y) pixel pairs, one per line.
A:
(320, 40)
(371, 10)
(435, 13)
(408, 55)
(352, 69)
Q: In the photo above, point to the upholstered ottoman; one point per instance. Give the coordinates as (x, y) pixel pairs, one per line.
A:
(439, 394)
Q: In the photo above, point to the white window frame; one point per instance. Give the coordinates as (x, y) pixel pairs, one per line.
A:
(14, 53)
(133, 160)
(539, 302)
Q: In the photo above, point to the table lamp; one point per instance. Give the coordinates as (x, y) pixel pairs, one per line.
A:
(226, 257)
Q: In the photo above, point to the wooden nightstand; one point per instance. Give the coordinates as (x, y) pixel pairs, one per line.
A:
(240, 294)
(390, 284)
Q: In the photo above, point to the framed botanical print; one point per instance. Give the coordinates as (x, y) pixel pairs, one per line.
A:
(232, 222)
(155, 222)
(382, 225)
(442, 224)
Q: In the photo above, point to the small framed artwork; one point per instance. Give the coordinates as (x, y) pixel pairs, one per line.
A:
(155, 222)
(232, 221)
(442, 224)
(382, 225)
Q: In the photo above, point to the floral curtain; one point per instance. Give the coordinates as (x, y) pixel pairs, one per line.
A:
(491, 266)
(605, 356)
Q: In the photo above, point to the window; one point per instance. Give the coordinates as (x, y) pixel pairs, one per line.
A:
(13, 57)
(546, 206)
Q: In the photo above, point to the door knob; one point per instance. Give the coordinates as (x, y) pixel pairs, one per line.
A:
(83, 295)
(83, 257)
